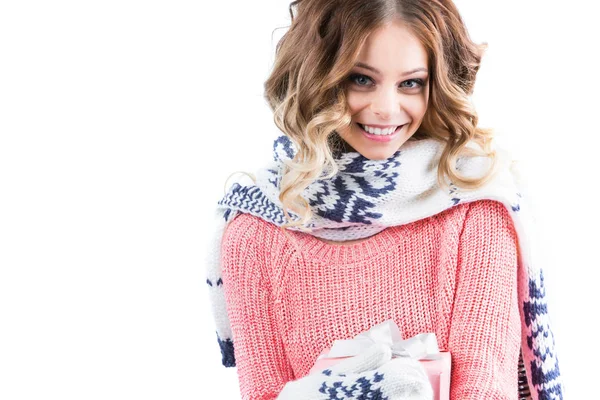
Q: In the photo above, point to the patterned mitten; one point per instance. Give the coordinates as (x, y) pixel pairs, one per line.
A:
(370, 375)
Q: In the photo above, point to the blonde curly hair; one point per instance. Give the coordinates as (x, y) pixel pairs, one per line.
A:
(306, 90)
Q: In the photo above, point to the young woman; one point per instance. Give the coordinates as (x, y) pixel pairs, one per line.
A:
(385, 200)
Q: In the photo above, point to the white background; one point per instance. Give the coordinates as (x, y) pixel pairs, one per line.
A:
(120, 121)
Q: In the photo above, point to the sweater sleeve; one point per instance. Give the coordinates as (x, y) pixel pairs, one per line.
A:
(262, 365)
(485, 330)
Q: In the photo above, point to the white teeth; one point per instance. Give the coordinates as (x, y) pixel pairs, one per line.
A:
(379, 131)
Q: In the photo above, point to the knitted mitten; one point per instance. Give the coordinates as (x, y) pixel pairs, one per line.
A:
(371, 374)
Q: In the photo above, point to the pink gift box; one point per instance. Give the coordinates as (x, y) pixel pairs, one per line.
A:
(438, 372)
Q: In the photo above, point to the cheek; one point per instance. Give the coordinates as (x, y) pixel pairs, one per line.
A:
(356, 102)
(416, 106)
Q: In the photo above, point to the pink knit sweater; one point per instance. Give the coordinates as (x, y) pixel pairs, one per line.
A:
(454, 274)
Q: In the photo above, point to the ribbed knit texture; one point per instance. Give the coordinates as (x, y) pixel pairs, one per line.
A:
(454, 274)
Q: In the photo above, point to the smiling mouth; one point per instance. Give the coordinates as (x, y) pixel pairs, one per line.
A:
(361, 126)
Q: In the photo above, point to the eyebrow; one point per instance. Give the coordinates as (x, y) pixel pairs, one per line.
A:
(365, 66)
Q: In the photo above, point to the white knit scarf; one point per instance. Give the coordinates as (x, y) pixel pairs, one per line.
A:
(367, 196)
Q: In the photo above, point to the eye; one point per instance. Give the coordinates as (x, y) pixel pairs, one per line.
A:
(359, 79)
(419, 82)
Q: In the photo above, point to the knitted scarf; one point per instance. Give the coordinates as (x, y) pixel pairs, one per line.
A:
(366, 196)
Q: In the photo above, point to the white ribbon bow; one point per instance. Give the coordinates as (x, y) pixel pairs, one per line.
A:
(423, 346)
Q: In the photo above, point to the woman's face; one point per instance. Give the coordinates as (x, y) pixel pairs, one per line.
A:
(387, 88)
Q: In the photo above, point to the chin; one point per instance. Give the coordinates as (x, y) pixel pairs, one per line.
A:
(380, 153)
(377, 155)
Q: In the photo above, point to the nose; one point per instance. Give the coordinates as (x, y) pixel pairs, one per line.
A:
(385, 103)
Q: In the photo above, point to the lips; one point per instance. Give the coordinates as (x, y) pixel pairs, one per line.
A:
(398, 127)
(363, 127)
(381, 138)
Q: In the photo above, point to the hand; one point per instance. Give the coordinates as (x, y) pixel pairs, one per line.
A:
(371, 374)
